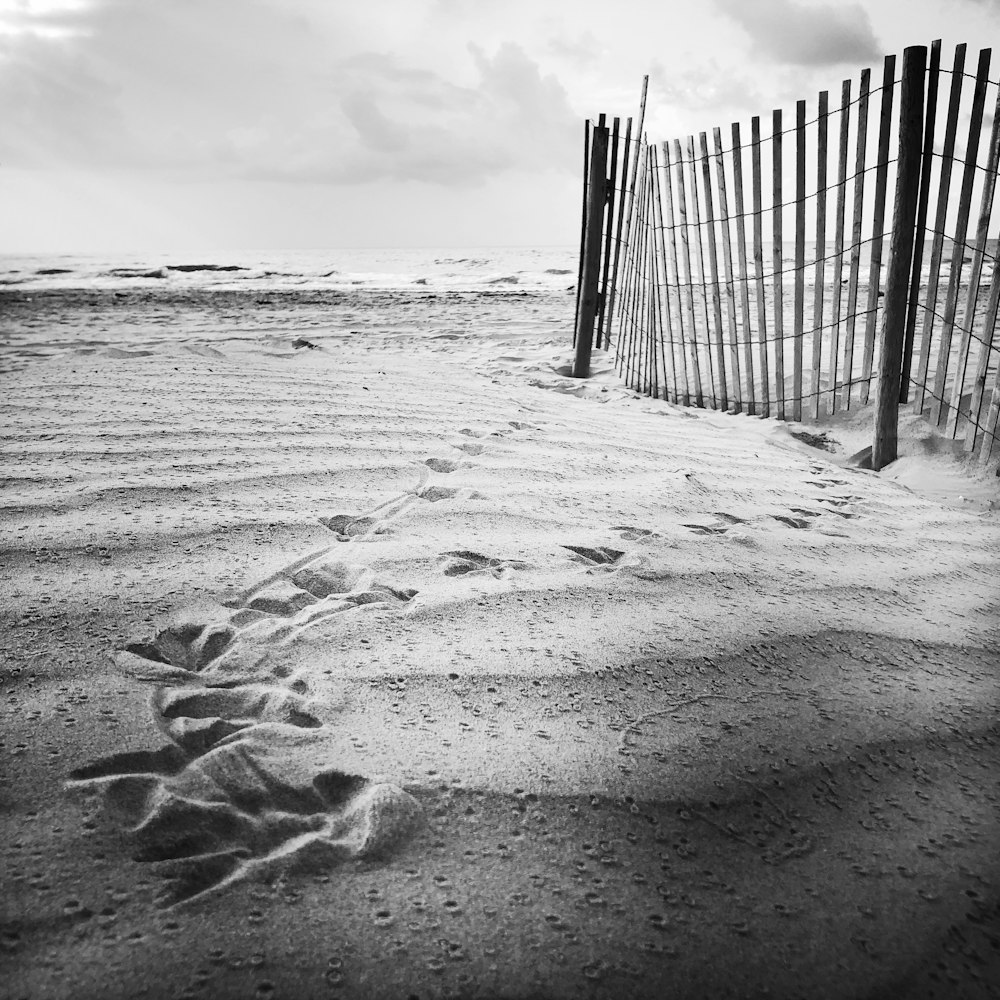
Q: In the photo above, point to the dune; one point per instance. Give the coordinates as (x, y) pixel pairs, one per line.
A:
(392, 669)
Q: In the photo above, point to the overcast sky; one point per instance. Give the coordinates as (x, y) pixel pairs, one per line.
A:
(266, 124)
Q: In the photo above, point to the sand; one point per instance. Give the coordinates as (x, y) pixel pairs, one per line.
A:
(396, 668)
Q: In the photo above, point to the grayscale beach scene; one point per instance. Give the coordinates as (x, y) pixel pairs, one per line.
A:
(454, 607)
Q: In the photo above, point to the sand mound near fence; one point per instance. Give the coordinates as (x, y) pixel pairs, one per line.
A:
(438, 673)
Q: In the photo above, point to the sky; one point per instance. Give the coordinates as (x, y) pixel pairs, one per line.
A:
(161, 125)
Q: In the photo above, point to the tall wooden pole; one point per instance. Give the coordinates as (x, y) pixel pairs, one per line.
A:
(583, 220)
(591, 273)
(893, 332)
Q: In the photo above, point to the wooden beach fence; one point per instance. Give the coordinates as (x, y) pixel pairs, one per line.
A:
(844, 257)
(608, 188)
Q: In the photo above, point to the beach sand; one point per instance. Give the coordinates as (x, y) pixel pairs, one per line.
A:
(397, 668)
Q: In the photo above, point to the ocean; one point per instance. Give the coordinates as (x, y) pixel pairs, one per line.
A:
(89, 303)
(390, 299)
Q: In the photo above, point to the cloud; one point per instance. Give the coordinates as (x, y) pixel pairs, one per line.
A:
(378, 133)
(783, 31)
(295, 94)
(703, 88)
(583, 51)
(414, 125)
(42, 18)
(56, 109)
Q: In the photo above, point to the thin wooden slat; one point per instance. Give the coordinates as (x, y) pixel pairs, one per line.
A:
(651, 387)
(638, 300)
(727, 264)
(674, 262)
(608, 234)
(648, 379)
(838, 241)
(990, 428)
(699, 246)
(583, 223)
(722, 394)
(660, 281)
(667, 320)
(777, 261)
(798, 311)
(982, 368)
(655, 317)
(624, 309)
(992, 425)
(878, 226)
(632, 302)
(930, 118)
(859, 198)
(940, 218)
(626, 317)
(645, 319)
(939, 404)
(741, 250)
(758, 264)
(645, 381)
(609, 311)
(628, 201)
(819, 274)
(699, 395)
(978, 255)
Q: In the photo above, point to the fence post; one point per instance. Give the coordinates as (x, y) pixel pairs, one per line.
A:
(583, 224)
(892, 334)
(591, 271)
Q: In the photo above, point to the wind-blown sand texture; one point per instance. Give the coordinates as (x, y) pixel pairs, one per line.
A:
(392, 669)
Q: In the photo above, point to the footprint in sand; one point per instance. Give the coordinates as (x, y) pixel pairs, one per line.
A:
(244, 789)
(838, 502)
(198, 718)
(436, 493)
(212, 639)
(286, 597)
(600, 556)
(730, 518)
(720, 527)
(186, 646)
(633, 534)
(347, 527)
(471, 448)
(441, 464)
(463, 563)
(795, 522)
(707, 529)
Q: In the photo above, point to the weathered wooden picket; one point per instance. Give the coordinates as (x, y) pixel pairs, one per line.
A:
(708, 306)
